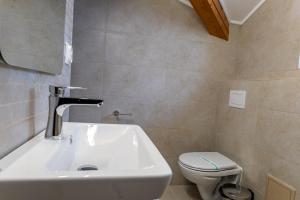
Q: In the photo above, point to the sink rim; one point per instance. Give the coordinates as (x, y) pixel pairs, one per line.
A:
(160, 170)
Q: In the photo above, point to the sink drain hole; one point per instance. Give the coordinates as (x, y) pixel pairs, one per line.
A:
(87, 168)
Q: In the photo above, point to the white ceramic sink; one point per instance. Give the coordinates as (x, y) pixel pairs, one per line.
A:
(128, 166)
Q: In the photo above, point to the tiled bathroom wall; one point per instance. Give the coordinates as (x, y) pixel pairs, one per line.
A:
(264, 138)
(24, 98)
(154, 59)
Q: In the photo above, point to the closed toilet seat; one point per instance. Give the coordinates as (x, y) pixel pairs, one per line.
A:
(207, 170)
(206, 162)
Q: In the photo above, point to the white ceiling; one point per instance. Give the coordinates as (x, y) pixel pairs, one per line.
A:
(238, 11)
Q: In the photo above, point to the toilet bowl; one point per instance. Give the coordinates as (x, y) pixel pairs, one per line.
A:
(209, 170)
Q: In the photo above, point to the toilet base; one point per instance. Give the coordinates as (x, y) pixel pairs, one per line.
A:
(208, 195)
(211, 192)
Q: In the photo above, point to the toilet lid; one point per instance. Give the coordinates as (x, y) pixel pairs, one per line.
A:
(206, 161)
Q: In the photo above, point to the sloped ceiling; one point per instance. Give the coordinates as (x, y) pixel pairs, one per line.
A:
(238, 11)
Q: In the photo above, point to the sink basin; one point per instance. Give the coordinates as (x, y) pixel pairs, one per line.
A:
(92, 162)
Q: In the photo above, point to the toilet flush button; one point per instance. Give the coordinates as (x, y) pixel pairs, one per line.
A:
(237, 99)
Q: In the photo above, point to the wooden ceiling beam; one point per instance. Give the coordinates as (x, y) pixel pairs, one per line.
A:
(213, 17)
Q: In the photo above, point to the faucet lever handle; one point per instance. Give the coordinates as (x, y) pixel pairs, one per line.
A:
(60, 90)
(76, 88)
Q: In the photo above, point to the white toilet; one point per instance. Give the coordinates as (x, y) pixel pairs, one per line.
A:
(209, 170)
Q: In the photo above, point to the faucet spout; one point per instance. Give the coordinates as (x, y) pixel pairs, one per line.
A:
(66, 102)
(57, 106)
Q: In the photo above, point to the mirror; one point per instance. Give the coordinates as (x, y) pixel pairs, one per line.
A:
(32, 34)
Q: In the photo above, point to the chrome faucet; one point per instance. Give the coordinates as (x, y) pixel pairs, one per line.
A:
(58, 103)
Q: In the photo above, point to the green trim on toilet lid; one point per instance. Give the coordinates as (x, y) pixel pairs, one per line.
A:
(210, 162)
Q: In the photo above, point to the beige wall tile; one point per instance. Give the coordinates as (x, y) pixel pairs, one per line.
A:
(181, 192)
(88, 43)
(131, 82)
(91, 15)
(263, 138)
(189, 86)
(185, 192)
(279, 134)
(282, 95)
(271, 44)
